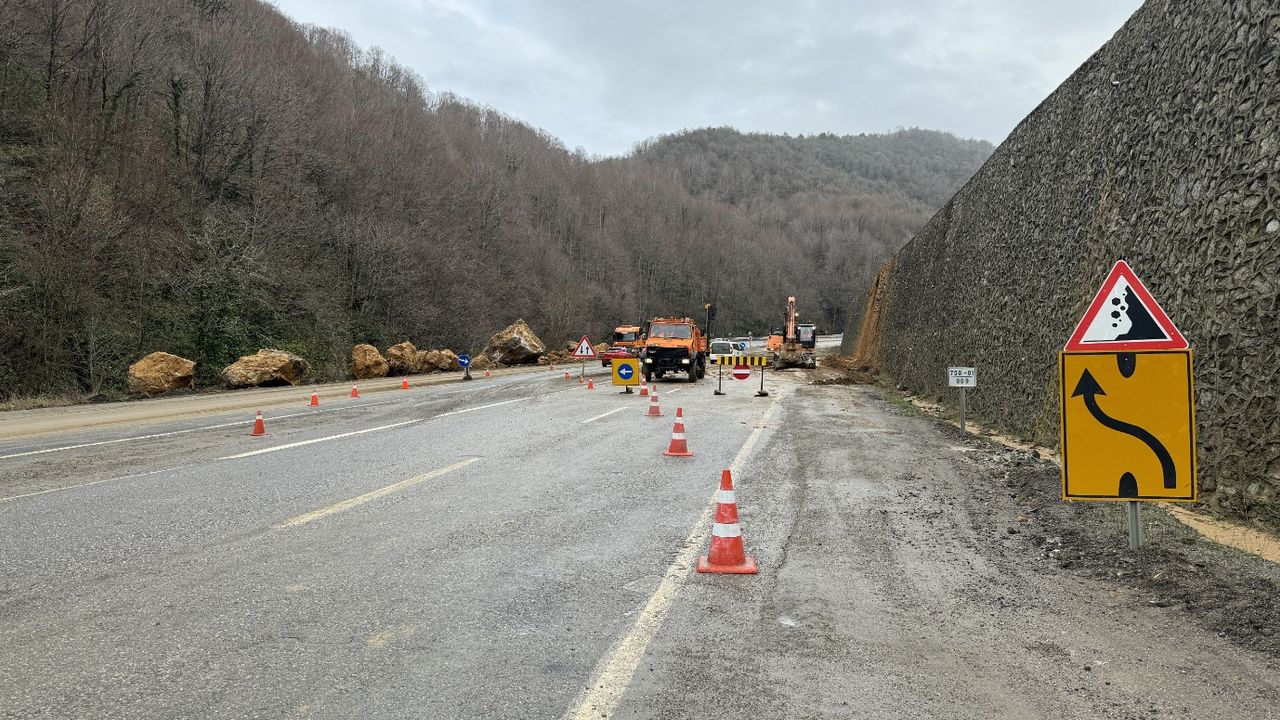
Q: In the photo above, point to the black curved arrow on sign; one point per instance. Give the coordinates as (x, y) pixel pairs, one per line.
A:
(1090, 389)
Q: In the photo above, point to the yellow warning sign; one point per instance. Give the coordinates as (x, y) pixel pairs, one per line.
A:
(626, 371)
(1128, 426)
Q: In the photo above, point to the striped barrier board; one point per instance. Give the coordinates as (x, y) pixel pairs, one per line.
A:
(740, 360)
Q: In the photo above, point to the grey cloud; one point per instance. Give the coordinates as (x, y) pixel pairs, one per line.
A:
(604, 75)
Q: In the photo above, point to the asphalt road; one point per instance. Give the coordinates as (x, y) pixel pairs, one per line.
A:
(520, 548)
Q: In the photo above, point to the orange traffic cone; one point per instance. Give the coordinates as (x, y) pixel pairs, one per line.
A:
(727, 554)
(579, 379)
(259, 427)
(566, 374)
(553, 366)
(355, 392)
(654, 410)
(644, 389)
(591, 385)
(678, 446)
(486, 373)
(315, 399)
(404, 383)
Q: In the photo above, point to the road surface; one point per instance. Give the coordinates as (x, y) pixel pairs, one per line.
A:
(520, 548)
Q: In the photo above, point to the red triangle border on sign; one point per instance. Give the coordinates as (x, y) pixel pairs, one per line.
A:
(1175, 341)
(585, 350)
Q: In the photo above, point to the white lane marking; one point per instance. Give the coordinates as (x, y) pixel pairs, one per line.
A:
(374, 495)
(353, 433)
(327, 438)
(479, 407)
(605, 415)
(183, 432)
(95, 482)
(614, 673)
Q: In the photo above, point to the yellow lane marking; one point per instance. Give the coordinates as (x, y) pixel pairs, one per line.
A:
(615, 671)
(374, 495)
(605, 415)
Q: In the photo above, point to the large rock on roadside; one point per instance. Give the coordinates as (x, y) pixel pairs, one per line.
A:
(448, 360)
(403, 359)
(160, 372)
(515, 345)
(481, 362)
(265, 368)
(427, 361)
(367, 362)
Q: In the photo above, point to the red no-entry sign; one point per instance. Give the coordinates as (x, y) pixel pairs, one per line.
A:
(741, 372)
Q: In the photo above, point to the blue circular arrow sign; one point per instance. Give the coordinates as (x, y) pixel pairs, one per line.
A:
(626, 371)
(464, 360)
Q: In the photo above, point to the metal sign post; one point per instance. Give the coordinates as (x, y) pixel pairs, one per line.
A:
(719, 378)
(763, 392)
(1135, 524)
(465, 361)
(962, 377)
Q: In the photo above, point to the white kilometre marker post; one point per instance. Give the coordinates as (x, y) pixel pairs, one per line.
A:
(962, 377)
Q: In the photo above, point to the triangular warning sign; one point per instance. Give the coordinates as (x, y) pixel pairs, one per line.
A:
(1123, 316)
(584, 349)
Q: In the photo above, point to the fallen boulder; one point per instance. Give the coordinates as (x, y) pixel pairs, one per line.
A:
(448, 360)
(481, 362)
(515, 345)
(403, 359)
(427, 361)
(160, 372)
(264, 369)
(367, 362)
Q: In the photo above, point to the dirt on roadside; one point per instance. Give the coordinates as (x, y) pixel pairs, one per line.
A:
(1232, 593)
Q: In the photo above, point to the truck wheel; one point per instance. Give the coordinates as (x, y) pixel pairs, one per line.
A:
(693, 373)
(702, 370)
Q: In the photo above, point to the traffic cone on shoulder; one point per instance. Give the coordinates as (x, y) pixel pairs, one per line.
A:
(404, 383)
(486, 373)
(591, 384)
(259, 427)
(355, 392)
(727, 555)
(678, 447)
(566, 374)
(644, 389)
(579, 379)
(553, 367)
(654, 410)
(315, 399)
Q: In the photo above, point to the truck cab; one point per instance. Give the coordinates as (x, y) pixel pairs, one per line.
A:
(674, 345)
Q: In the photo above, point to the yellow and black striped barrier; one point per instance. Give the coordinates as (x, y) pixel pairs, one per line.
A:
(740, 360)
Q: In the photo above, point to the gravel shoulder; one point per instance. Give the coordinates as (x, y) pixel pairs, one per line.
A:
(911, 571)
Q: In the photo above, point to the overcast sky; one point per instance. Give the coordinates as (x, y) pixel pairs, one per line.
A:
(604, 74)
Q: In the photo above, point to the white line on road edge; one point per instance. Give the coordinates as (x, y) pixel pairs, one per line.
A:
(614, 673)
(362, 499)
(604, 415)
(152, 436)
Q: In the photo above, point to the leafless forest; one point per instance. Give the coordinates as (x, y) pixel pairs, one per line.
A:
(208, 177)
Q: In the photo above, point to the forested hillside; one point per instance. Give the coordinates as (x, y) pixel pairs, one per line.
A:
(207, 177)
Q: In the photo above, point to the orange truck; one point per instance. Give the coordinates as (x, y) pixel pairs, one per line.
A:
(674, 345)
(628, 336)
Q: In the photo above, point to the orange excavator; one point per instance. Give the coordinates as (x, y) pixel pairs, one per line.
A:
(798, 341)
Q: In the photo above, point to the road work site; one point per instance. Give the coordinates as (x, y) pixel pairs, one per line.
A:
(521, 547)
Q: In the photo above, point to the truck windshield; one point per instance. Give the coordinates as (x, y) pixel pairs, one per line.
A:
(721, 348)
(624, 337)
(670, 330)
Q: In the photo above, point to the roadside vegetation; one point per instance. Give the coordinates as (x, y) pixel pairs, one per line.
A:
(207, 178)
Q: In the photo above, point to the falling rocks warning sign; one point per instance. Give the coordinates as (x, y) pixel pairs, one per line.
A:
(1124, 316)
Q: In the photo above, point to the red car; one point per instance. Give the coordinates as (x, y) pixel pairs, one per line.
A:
(608, 356)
